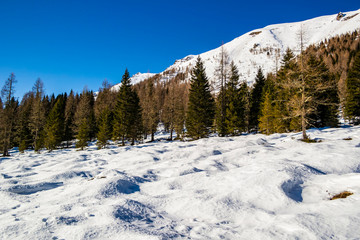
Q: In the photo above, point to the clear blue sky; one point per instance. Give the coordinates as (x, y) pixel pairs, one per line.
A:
(70, 44)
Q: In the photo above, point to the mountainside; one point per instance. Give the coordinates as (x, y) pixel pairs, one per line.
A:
(264, 47)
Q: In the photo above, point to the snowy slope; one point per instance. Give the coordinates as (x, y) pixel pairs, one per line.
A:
(262, 47)
(247, 187)
(279, 36)
(139, 77)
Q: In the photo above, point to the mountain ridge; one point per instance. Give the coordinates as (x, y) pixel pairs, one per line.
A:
(264, 47)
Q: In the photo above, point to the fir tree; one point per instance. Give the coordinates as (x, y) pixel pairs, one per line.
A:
(105, 129)
(235, 120)
(127, 117)
(23, 129)
(54, 128)
(256, 100)
(104, 107)
(70, 108)
(352, 105)
(85, 119)
(200, 113)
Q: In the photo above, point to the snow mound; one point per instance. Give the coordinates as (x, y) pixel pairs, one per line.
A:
(247, 187)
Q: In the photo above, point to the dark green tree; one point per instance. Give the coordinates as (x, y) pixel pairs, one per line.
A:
(352, 105)
(256, 98)
(104, 108)
(70, 108)
(201, 106)
(236, 109)
(24, 137)
(127, 117)
(54, 128)
(85, 119)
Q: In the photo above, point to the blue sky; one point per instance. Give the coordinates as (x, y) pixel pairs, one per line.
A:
(72, 44)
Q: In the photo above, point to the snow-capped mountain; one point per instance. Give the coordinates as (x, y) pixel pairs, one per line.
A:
(260, 47)
(264, 47)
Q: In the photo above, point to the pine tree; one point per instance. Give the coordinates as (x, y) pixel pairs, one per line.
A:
(85, 119)
(23, 129)
(201, 107)
(235, 118)
(54, 128)
(70, 108)
(105, 129)
(104, 107)
(256, 100)
(352, 105)
(127, 117)
(267, 118)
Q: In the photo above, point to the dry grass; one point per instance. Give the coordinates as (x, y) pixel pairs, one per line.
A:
(344, 194)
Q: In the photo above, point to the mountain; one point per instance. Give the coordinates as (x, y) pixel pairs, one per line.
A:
(264, 47)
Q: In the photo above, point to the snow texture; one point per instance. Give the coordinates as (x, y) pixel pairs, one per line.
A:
(246, 187)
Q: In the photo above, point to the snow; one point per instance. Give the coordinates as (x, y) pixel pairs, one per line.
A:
(136, 78)
(246, 187)
(278, 36)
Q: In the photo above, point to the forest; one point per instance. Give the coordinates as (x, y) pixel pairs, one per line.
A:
(314, 89)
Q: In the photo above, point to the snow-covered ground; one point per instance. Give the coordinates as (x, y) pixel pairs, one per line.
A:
(246, 187)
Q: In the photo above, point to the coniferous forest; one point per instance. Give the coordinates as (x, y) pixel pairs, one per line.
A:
(314, 89)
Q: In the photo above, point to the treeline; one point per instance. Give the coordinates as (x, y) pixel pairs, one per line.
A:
(310, 90)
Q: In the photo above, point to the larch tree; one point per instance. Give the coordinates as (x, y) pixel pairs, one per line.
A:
(37, 115)
(9, 114)
(222, 75)
(201, 107)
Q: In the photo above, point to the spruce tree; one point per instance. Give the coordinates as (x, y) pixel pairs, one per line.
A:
(70, 108)
(104, 107)
(235, 119)
(127, 117)
(85, 119)
(352, 105)
(23, 130)
(201, 106)
(54, 128)
(256, 98)
(104, 128)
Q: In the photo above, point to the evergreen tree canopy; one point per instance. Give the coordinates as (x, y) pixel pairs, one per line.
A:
(256, 100)
(352, 106)
(127, 117)
(201, 107)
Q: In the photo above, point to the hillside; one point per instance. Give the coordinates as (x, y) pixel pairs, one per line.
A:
(247, 187)
(264, 47)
